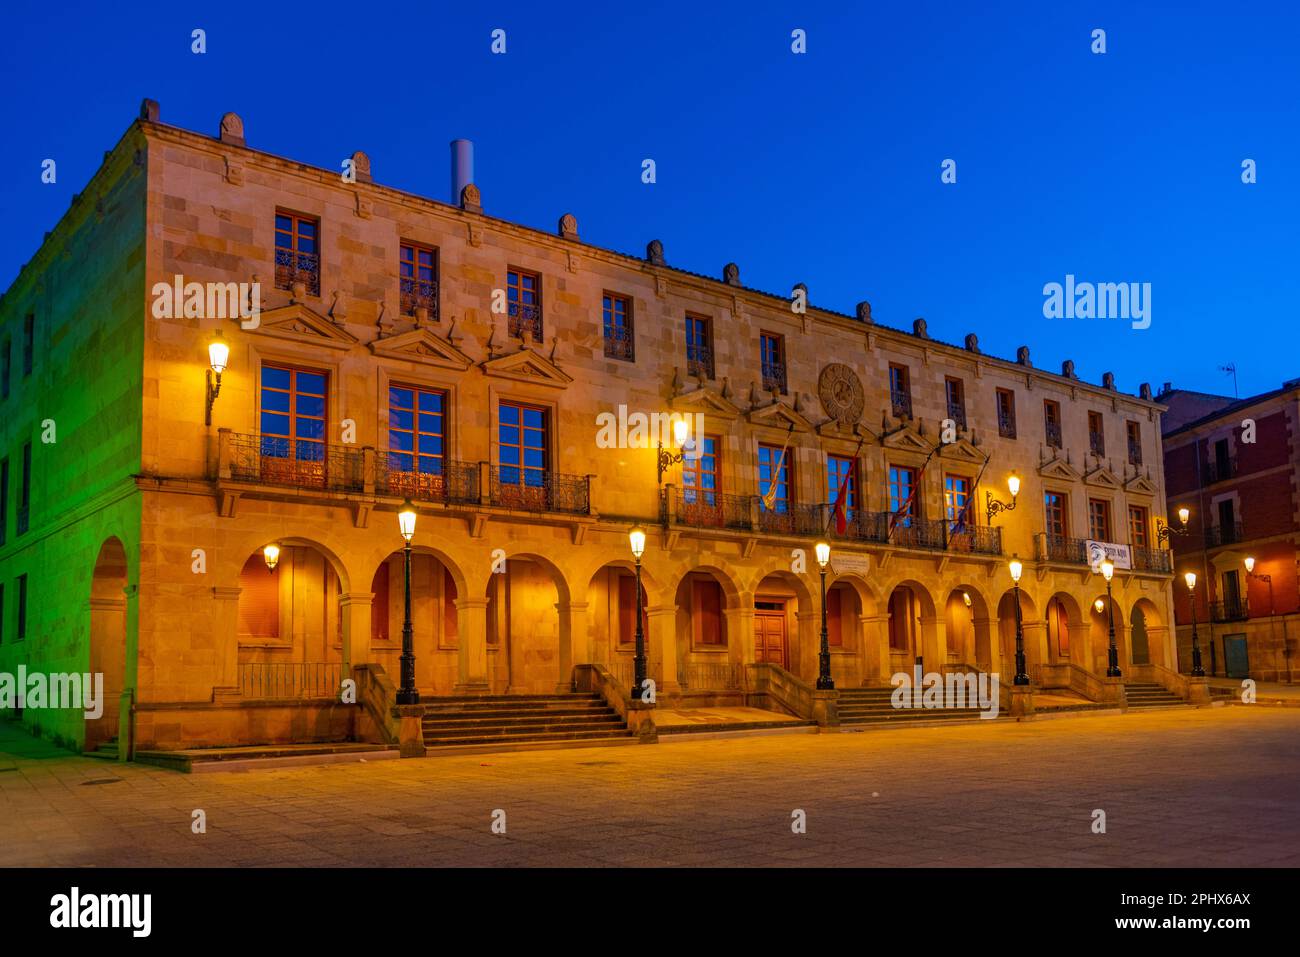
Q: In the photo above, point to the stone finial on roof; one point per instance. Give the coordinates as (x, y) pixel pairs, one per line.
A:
(569, 226)
(232, 129)
(1108, 381)
(470, 199)
(654, 252)
(972, 343)
(918, 328)
(1022, 356)
(731, 274)
(1144, 391)
(361, 166)
(149, 110)
(864, 311)
(1067, 369)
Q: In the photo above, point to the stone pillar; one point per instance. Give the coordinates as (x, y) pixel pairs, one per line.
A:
(1112, 692)
(225, 633)
(355, 607)
(934, 643)
(574, 644)
(472, 668)
(131, 677)
(1035, 635)
(740, 629)
(662, 641)
(989, 627)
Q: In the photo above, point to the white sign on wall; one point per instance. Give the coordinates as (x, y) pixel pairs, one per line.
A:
(1119, 555)
(843, 564)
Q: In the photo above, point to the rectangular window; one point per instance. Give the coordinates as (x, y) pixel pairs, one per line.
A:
(1096, 434)
(259, 596)
(293, 422)
(29, 343)
(1052, 422)
(522, 445)
(902, 499)
(774, 472)
(21, 631)
(842, 476)
(1057, 514)
(417, 431)
(956, 495)
(6, 367)
(524, 303)
(4, 500)
(1137, 526)
(706, 612)
(297, 251)
(1006, 413)
(771, 349)
(955, 391)
(699, 346)
(1098, 520)
(619, 343)
(900, 391)
(418, 279)
(1134, 432)
(25, 493)
(702, 474)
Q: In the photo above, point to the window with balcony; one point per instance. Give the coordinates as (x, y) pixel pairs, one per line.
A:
(900, 391)
(955, 391)
(902, 497)
(1052, 422)
(619, 343)
(956, 496)
(702, 474)
(1222, 465)
(842, 480)
(699, 346)
(523, 449)
(1006, 413)
(25, 492)
(29, 343)
(1133, 432)
(418, 279)
(1099, 520)
(1137, 526)
(293, 425)
(417, 433)
(297, 252)
(524, 304)
(1096, 434)
(1056, 514)
(774, 477)
(772, 357)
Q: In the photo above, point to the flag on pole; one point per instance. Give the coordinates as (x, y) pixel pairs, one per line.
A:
(769, 497)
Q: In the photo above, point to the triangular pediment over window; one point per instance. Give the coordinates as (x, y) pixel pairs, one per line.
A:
(1059, 469)
(528, 366)
(422, 345)
(961, 451)
(706, 400)
(299, 323)
(907, 439)
(1103, 477)
(1141, 485)
(779, 415)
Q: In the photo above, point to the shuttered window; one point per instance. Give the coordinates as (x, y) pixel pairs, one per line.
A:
(259, 599)
(379, 607)
(706, 612)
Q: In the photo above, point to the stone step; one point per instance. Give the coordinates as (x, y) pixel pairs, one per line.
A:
(507, 731)
(715, 727)
(475, 714)
(538, 738)
(913, 714)
(504, 706)
(509, 698)
(517, 720)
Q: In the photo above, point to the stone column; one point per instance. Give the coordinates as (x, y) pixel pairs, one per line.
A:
(1035, 633)
(355, 608)
(662, 641)
(573, 642)
(472, 668)
(934, 643)
(988, 626)
(740, 633)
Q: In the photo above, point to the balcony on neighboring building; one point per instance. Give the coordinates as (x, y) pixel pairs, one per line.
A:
(523, 320)
(1226, 534)
(418, 294)
(1134, 453)
(527, 490)
(1230, 609)
(1150, 559)
(901, 403)
(292, 266)
(774, 377)
(1220, 470)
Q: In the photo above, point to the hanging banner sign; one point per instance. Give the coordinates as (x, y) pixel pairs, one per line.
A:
(1119, 555)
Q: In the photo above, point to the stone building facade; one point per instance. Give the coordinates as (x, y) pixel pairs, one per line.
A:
(409, 348)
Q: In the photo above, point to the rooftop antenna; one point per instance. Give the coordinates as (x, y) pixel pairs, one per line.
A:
(1231, 369)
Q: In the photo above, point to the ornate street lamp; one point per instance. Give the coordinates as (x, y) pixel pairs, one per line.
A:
(992, 506)
(824, 682)
(1112, 653)
(1197, 670)
(1099, 604)
(271, 555)
(681, 430)
(218, 354)
(1163, 531)
(1021, 677)
(407, 694)
(636, 538)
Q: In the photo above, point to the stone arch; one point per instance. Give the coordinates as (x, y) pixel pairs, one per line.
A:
(1031, 628)
(799, 615)
(709, 633)
(108, 646)
(1099, 622)
(438, 615)
(1147, 634)
(536, 625)
(1066, 634)
(968, 627)
(912, 626)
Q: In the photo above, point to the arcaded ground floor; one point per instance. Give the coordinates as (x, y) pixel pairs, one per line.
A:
(1206, 787)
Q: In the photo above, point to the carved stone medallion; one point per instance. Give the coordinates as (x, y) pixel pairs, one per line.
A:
(841, 393)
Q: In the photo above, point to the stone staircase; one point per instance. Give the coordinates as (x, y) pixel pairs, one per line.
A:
(512, 722)
(1143, 695)
(107, 751)
(874, 706)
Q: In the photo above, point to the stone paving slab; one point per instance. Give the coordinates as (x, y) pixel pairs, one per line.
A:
(1192, 787)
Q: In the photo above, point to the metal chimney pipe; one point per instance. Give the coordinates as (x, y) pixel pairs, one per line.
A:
(462, 168)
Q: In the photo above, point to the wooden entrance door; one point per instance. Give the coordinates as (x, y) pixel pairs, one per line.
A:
(769, 633)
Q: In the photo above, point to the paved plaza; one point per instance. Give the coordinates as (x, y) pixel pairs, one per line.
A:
(1211, 787)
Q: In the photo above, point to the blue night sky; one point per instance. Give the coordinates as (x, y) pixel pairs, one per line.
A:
(822, 168)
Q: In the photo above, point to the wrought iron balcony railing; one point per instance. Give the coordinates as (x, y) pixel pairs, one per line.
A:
(1054, 434)
(294, 463)
(1150, 559)
(417, 293)
(774, 377)
(1219, 470)
(525, 320)
(791, 519)
(703, 508)
(699, 360)
(900, 403)
(1006, 425)
(1230, 609)
(1071, 550)
(528, 490)
(618, 344)
(1134, 453)
(292, 266)
(930, 534)
(861, 526)
(451, 483)
(1228, 534)
(957, 412)
(975, 539)
(1097, 443)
